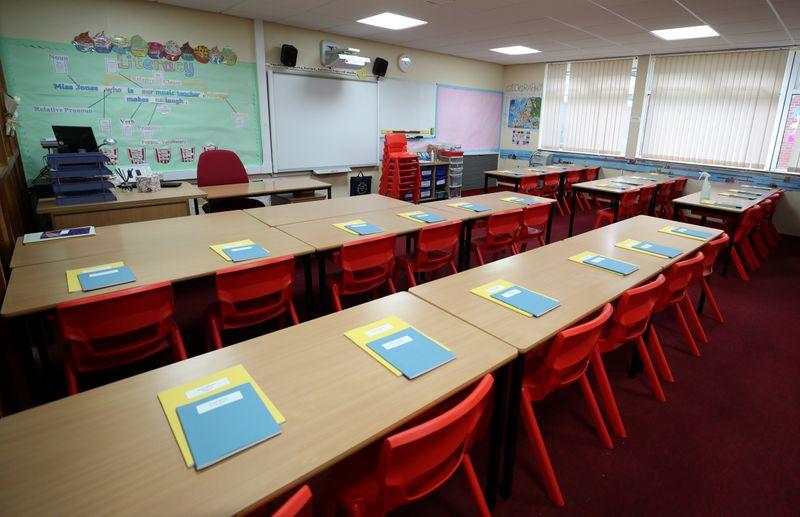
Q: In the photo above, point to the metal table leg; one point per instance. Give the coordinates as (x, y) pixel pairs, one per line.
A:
(549, 223)
(571, 216)
(308, 277)
(499, 418)
(322, 275)
(512, 425)
(734, 226)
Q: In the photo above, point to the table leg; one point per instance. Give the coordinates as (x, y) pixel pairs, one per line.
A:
(571, 216)
(652, 209)
(517, 182)
(329, 192)
(467, 244)
(512, 425)
(196, 206)
(322, 275)
(499, 417)
(485, 183)
(549, 223)
(734, 226)
(309, 280)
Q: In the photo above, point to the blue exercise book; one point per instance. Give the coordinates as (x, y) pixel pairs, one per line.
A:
(619, 186)
(92, 280)
(474, 207)
(749, 197)
(411, 352)
(245, 252)
(225, 423)
(609, 264)
(725, 203)
(533, 303)
(628, 182)
(664, 251)
(364, 228)
(693, 233)
(428, 218)
(523, 201)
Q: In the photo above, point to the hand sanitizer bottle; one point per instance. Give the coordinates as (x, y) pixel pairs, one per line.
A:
(705, 190)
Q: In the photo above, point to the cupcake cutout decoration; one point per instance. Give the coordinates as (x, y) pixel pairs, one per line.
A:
(138, 46)
(120, 44)
(228, 56)
(172, 51)
(155, 50)
(215, 56)
(201, 53)
(83, 42)
(102, 43)
(187, 52)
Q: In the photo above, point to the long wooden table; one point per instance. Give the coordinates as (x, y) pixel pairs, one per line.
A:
(297, 213)
(110, 450)
(130, 206)
(516, 176)
(581, 290)
(266, 187)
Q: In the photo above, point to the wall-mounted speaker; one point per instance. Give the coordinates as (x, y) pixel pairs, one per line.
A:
(288, 55)
(379, 67)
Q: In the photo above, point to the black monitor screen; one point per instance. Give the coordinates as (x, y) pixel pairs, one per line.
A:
(75, 139)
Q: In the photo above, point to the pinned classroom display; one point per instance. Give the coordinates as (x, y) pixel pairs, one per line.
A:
(54, 235)
(399, 347)
(205, 388)
(472, 207)
(518, 299)
(686, 232)
(358, 227)
(619, 267)
(238, 251)
(98, 277)
(422, 217)
(649, 248)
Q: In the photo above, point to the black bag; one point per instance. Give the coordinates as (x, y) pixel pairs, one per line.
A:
(360, 185)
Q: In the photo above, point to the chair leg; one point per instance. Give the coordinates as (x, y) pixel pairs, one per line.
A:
(213, 335)
(412, 282)
(749, 254)
(475, 487)
(711, 300)
(606, 395)
(293, 314)
(479, 256)
(390, 283)
(594, 411)
(540, 451)
(661, 359)
(694, 319)
(337, 304)
(73, 389)
(760, 245)
(737, 261)
(687, 334)
(540, 237)
(655, 386)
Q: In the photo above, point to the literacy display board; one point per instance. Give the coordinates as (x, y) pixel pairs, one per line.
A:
(162, 103)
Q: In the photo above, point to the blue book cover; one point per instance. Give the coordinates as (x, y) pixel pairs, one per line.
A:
(92, 280)
(523, 201)
(619, 186)
(693, 233)
(664, 251)
(628, 181)
(225, 423)
(428, 218)
(609, 264)
(245, 252)
(474, 207)
(364, 228)
(411, 352)
(725, 203)
(525, 300)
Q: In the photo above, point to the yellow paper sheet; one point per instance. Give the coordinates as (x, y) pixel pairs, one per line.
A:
(74, 285)
(460, 205)
(580, 256)
(487, 290)
(219, 247)
(513, 199)
(343, 226)
(628, 244)
(410, 215)
(206, 386)
(669, 230)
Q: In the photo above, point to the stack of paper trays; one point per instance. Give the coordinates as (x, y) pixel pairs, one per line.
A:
(518, 299)
(619, 267)
(649, 248)
(422, 217)
(401, 348)
(237, 251)
(358, 227)
(686, 232)
(219, 415)
(98, 277)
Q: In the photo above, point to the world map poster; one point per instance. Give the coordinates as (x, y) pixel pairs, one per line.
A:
(524, 112)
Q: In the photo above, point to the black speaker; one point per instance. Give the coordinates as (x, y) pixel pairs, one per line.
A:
(288, 55)
(379, 67)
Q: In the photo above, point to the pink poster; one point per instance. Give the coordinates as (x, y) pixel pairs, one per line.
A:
(469, 117)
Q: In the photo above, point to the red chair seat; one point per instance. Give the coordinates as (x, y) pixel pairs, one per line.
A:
(367, 265)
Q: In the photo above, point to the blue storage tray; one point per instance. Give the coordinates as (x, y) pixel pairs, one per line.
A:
(81, 186)
(59, 159)
(85, 197)
(80, 171)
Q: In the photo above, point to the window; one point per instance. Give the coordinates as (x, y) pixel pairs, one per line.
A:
(787, 155)
(587, 106)
(713, 109)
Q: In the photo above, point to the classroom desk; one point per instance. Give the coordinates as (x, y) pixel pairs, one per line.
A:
(733, 214)
(265, 188)
(581, 290)
(517, 176)
(299, 212)
(130, 206)
(110, 450)
(494, 201)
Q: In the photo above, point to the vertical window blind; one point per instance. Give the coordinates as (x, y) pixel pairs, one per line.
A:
(713, 109)
(587, 106)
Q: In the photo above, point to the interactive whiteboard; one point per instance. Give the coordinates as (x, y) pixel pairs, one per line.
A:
(406, 105)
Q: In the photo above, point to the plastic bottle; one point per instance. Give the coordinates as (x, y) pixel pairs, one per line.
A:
(705, 190)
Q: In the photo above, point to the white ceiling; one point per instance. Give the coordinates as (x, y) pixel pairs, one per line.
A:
(561, 29)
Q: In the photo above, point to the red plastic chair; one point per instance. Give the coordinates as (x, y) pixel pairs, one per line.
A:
(250, 294)
(437, 247)
(117, 329)
(299, 505)
(631, 317)
(544, 185)
(534, 224)
(741, 243)
(415, 462)
(646, 194)
(502, 230)
(564, 363)
(710, 253)
(768, 230)
(367, 265)
(626, 209)
(590, 174)
(758, 235)
(570, 178)
(664, 199)
(221, 167)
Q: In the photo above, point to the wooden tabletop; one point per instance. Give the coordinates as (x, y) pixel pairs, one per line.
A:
(264, 188)
(296, 213)
(41, 286)
(693, 200)
(595, 185)
(493, 200)
(125, 199)
(323, 236)
(581, 289)
(110, 450)
(512, 174)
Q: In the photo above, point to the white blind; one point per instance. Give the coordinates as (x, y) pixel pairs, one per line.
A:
(587, 106)
(714, 109)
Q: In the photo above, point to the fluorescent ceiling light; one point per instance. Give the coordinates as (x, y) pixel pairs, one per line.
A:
(698, 31)
(392, 21)
(516, 50)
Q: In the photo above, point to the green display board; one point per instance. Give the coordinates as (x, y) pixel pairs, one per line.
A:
(162, 108)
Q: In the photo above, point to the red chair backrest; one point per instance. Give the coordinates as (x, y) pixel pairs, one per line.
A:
(678, 278)
(678, 187)
(396, 142)
(645, 197)
(536, 215)
(367, 263)
(633, 310)
(527, 183)
(749, 220)
(299, 505)
(711, 251)
(502, 228)
(569, 351)
(117, 328)
(574, 176)
(437, 243)
(255, 292)
(416, 461)
(220, 167)
(592, 173)
(551, 179)
(665, 191)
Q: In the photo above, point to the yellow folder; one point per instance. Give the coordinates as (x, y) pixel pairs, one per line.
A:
(580, 256)
(74, 285)
(513, 199)
(669, 230)
(459, 205)
(210, 384)
(487, 290)
(628, 244)
(409, 215)
(343, 226)
(219, 247)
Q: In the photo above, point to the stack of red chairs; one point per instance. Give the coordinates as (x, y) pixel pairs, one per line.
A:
(400, 174)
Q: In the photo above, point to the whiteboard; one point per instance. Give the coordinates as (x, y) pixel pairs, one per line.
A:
(320, 122)
(406, 105)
